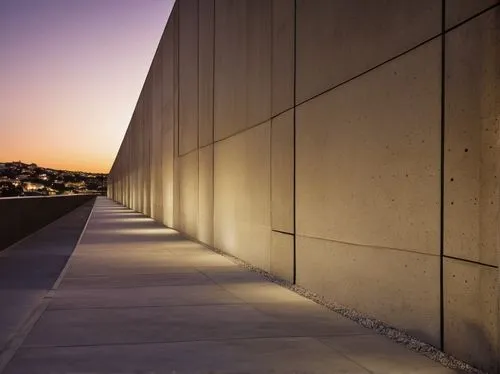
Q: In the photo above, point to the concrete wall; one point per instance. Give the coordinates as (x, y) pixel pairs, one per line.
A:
(21, 216)
(348, 146)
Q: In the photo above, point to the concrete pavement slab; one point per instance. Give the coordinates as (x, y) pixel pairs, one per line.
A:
(277, 356)
(139, 298)
(181, 323)
(381, 356)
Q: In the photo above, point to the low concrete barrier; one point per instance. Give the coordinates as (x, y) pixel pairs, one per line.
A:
(21, 216)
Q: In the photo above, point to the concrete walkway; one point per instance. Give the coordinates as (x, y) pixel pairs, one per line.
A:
(139, 298)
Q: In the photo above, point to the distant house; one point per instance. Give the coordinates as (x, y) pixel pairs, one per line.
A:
(32, 187)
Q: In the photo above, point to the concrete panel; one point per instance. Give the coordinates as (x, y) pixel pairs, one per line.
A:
(242, 201)
(258, 61)
(282, 170)
(206, 195)
(230, 94)
(167, 136)
(168, 60)
(282, 255)
(188, 75)
(242, 65)
(136, 146)
(188, 204)
(146, 139)
(156, 140)
(139, 146)
(283, 55)
(471, 139)
(169, 109)
(402, 289)
(337, 39)
(206, 72)
(471, 313)
(368, 157)
(459, 10)
(176, 218)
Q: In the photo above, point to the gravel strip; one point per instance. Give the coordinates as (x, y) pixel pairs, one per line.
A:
(382, 328)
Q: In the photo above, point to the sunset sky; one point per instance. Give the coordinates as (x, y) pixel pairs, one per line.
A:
(70, 74)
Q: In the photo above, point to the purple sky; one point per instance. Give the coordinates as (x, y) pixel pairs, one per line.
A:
(70, 74)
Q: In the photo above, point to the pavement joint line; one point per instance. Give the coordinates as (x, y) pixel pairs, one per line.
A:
(14, 343)
(241, 302)
(96, 276)
(215, 340)
(127, 287)
(149, 306)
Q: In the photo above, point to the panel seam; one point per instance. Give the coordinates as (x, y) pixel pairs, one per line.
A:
(471, 261)
(442, 175)
(294, 278)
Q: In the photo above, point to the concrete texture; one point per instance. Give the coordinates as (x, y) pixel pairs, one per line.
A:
(156, 141)
(258, 51)
(228, 321)
(188, 180)
(283, 50)
(242, 197)
(21, 217)
(362, 34)
(282, 255)
(188, 76)
(345, 273)
(383, 357)
(460, 10)
(370, 128)
(206, 195)
(30, 267)
(206, 72)
(364, 166)
(242, 65)
(282, 172)
(230, 96)
(471, 140)
(471, 310)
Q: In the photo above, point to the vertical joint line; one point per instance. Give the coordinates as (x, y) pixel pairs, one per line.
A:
(198, 112)
(177, 68)
(442, 176)
(213, 123)
(271, 86)
(294, 142)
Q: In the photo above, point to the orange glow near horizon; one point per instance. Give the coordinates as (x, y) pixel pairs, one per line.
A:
(70, 75)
